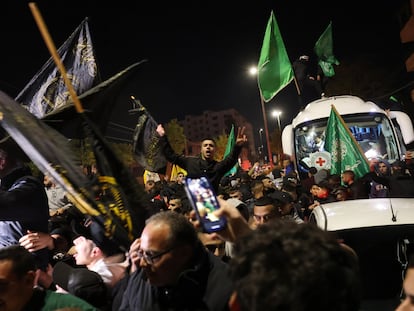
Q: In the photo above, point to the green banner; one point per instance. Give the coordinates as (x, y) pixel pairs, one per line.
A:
(274, 68)
(346, 154)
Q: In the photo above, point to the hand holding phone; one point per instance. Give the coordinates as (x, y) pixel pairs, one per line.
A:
(204, 202)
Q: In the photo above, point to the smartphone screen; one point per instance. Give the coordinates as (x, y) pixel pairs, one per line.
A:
(204, 202)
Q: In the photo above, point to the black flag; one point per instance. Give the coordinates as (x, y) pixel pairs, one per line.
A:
(146, 147)
(47, 91)
(98, 103)
(118, 211)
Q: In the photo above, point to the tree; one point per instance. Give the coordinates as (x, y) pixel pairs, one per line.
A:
(125, 153)
(86, 156)
(176, 137)
(83, 148)
(363, 77)
(221, 144)
(276, 142)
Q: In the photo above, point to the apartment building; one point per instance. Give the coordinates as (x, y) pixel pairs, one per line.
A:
(214, 123)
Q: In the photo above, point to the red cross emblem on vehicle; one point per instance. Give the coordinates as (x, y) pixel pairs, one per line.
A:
(320, 161)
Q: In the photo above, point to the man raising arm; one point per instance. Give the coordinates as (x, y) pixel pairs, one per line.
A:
(204, 164)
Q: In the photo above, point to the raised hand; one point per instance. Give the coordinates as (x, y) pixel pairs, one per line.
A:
(160, 130)
(241, 137)
(34, 241)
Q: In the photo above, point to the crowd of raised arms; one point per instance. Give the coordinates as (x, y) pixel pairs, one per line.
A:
(268, 257)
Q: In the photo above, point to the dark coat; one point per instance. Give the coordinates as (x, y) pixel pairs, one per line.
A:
(23, 206)
(400, 185)
(359, 189)
(207, 286)
(197, 167)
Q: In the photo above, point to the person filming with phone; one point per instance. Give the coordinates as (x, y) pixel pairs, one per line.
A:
(204, 164)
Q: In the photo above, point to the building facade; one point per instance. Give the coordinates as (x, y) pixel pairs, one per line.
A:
(213, 124)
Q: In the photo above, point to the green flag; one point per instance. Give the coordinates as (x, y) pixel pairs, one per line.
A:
(393, 99)
(346, 154)
(229, 147)
(274, 68)
(324, 50)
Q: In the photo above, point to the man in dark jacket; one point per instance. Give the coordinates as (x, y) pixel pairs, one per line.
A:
(310, 87)
(173, 270)
(204, 165)
(357, 188)
(23, 200)
(400, 183)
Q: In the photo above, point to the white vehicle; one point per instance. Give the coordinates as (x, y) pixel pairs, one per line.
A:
(381, 231)
(379, 134)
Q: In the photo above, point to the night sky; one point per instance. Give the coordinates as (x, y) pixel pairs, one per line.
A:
(198, 53)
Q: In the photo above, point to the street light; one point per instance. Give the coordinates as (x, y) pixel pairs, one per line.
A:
(253, 72)
(277, 113)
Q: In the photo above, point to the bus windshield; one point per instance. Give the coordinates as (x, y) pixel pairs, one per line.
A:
(373, 132)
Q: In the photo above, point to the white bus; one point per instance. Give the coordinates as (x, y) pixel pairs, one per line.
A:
(380, 134)
(381, 231)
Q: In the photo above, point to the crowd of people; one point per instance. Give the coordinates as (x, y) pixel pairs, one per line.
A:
(268, 257)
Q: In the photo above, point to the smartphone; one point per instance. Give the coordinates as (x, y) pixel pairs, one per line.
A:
(204, 202)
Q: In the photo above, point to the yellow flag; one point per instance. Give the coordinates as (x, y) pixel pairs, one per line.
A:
(150, 176)
(175, 170)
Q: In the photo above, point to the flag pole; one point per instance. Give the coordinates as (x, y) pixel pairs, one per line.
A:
(296, 84)
(269, 152)
(82, 204)
(53, 51)
(115, 221)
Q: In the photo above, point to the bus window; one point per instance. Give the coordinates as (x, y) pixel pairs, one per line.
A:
(373, 132)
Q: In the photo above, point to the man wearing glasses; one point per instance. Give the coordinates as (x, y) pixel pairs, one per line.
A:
(172, 270)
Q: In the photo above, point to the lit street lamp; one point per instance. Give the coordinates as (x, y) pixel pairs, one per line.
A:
(253, 72)
(277, 113)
